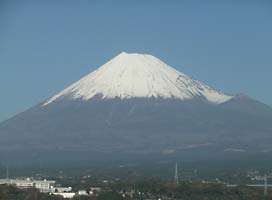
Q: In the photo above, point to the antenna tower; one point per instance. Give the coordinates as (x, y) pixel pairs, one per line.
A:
(265, 185)
(176, 178)
(7, 172)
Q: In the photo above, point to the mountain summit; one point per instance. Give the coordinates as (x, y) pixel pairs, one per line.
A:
(138, 76)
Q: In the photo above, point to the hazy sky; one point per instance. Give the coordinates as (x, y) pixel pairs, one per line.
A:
(47, 45)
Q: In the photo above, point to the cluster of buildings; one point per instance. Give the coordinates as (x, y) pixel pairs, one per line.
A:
(136, 194)
(42, 185)
(47, 186)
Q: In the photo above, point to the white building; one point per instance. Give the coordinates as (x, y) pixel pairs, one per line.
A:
(66, 195)
(82, 193)
(5, 181)
(61, 189)
(44, 186)
(22, 183)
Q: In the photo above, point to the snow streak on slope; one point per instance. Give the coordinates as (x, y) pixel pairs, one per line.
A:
(139, 76)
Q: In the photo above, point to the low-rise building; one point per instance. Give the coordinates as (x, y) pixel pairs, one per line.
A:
(61, 189)
(82, 193)
(44, 186)
(22, 183)
(5, 181)
(66, 195)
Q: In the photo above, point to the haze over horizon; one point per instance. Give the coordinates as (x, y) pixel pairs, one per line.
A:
(224, 44)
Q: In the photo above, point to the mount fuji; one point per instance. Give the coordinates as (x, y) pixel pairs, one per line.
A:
(135, 104)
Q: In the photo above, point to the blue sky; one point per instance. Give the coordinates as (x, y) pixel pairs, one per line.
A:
(47, 45)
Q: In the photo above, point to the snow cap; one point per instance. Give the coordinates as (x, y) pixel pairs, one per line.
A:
(133, 75)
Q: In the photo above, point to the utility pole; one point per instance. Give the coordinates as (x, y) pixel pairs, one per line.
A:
(176, 178)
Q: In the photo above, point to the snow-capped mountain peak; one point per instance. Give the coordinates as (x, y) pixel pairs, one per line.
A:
(132, 75)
